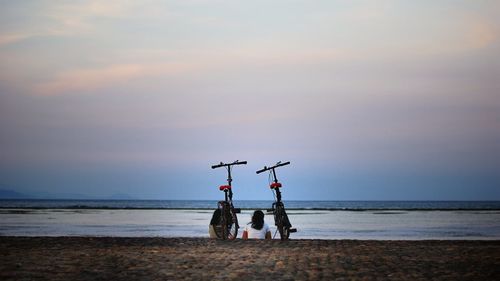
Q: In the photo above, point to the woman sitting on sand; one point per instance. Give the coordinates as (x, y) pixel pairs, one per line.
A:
(257, 229)
(213, 223)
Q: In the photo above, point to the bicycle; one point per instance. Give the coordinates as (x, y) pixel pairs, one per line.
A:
(227, 228)
(283, 225)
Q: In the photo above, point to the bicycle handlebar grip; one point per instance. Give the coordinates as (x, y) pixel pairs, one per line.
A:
(228, 165)
(218, 165)
(283, 164)
(275, 166)
(263, 170)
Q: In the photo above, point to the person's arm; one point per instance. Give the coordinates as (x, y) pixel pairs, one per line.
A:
(245, 235)
(268, 234)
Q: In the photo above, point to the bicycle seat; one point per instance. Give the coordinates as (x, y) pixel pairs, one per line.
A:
(275, 185)
(224, 187)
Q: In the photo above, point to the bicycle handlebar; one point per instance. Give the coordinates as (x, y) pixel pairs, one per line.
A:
(229, 164)
(275, 166)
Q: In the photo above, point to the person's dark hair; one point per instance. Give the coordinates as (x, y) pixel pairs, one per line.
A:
(258, 220)
(216, 217)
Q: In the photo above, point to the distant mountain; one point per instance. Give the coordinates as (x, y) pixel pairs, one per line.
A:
(63, 196)
(11, 194)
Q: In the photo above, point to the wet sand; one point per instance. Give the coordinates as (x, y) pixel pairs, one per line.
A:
(106, 258)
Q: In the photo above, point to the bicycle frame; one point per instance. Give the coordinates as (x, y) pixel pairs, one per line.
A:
(278, 208)
(228, 213)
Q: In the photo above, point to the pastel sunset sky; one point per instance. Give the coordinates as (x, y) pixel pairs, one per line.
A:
(369, 100)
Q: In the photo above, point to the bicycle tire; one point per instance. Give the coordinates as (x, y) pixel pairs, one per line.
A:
(281, 221)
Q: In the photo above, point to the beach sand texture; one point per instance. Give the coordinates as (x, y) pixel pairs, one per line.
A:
(107, 258)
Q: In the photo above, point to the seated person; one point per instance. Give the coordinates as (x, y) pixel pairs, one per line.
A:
(213, 223)
(257, 228)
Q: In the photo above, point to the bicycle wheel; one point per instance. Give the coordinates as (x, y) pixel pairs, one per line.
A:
(281, 221)
(227, 228)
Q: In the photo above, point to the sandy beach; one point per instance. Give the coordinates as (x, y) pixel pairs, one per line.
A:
(106, 258)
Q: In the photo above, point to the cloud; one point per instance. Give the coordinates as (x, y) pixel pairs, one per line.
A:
(187, 63)
(107, 55)
(481, 34)
(82, 80)
(81, 15)
(6, 39)
(66, 19)
(88, 79)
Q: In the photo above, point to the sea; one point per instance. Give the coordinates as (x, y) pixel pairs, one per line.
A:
(370, 220)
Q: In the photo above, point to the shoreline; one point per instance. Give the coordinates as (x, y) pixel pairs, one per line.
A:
(377, 225)
(274, 240)
(140, 258)
(474, 239)
(251, 209)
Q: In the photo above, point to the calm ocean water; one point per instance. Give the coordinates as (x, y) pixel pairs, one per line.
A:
(252, 204)
(381, 220)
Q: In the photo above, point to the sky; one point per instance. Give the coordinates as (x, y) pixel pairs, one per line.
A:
(369, 100)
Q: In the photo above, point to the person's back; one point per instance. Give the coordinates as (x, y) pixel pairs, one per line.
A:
(257, 229)
(214, 222)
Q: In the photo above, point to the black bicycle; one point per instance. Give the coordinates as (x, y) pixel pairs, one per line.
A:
(227, 228)
(283, 225)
